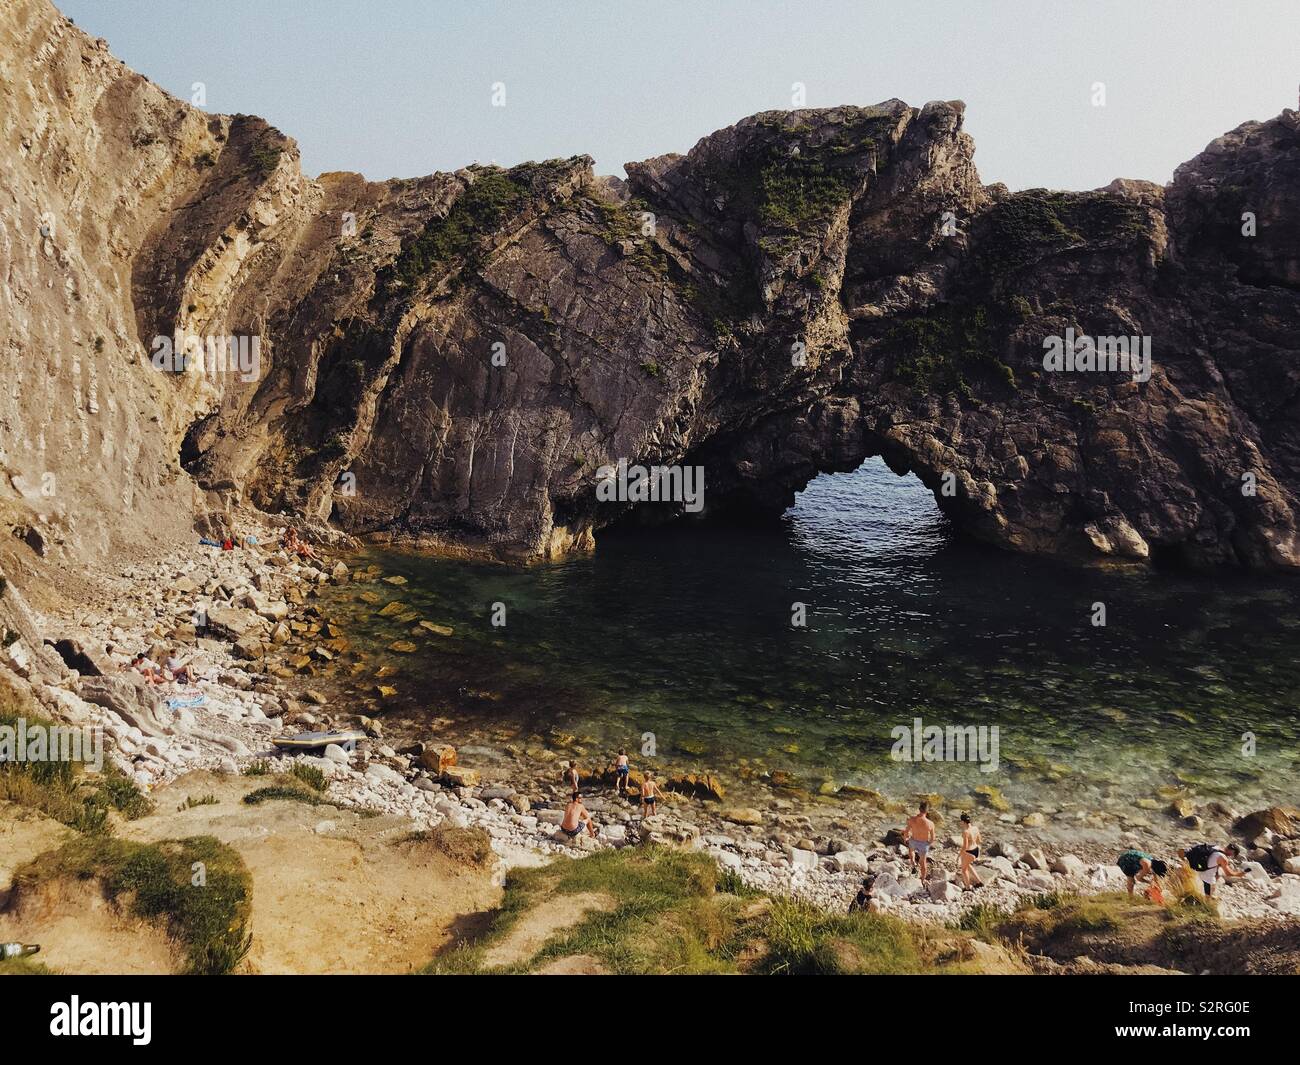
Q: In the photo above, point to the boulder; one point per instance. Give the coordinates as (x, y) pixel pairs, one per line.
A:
(460, 777)
(942, 891)
(86, 660)
(996, 867)
(383, 774)
(233, 623)
(850, 862)
(437, 758)
(1067, 865)
(1273, 819)
(130, 697)
(696, 786)
(741, 815)
(1035, 859)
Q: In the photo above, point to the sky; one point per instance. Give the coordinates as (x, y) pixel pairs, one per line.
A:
(399, 88)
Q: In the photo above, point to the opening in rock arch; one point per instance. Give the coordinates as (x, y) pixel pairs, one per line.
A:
(868, 514)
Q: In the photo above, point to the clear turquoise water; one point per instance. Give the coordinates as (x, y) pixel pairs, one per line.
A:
(685, 632)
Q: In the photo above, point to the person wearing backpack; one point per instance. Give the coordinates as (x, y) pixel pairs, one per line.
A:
(1208, 861)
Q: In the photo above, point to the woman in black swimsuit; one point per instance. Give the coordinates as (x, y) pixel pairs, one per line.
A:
(970, 850)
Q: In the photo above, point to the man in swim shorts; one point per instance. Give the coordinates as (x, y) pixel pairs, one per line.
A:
(918, 835)
(576, 818)
(621, 770)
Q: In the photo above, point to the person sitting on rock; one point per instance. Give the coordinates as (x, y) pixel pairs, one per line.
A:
(649, 796)
(180, 669)
(918, 835)
(576, 818)
(148, 668)
(1139, 865)
(865, 901)
(293, 545)
(621, 771)
(970, 850)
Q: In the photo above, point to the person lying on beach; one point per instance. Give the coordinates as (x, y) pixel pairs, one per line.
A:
(649, 795)
(970, 850)
(576, 818)
(865, 901)
(1140, 866)
(621, 770)
(1208, 861)
(918, 835)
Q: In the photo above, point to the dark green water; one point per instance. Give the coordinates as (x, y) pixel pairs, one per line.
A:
(686, 633)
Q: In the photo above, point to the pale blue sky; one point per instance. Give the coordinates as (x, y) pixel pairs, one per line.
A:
(396, 88)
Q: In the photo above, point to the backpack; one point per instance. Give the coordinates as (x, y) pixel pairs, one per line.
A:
(1199, 857)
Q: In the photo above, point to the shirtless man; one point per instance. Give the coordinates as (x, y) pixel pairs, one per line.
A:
(621, 770)
(918, 835)
(571, 776)
(576, 817)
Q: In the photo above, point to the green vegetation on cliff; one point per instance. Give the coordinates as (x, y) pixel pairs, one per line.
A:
(938, 351)
(198, 886)
(1025, 227)
(63, 790)
(485, 206)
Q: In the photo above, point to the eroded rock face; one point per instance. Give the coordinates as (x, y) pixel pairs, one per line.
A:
(448, 361)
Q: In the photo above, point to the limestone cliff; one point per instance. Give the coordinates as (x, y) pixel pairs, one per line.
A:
(449, 360)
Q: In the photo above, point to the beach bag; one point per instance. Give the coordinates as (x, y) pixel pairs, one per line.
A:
(1199, 856)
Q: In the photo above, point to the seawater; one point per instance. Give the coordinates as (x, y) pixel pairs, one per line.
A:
(684, 633)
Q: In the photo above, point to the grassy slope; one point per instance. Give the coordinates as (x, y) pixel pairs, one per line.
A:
(674, 912)
(198, 888)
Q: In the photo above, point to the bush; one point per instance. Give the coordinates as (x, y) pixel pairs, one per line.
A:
(291, 792)
(468, 846)
(310, 775)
